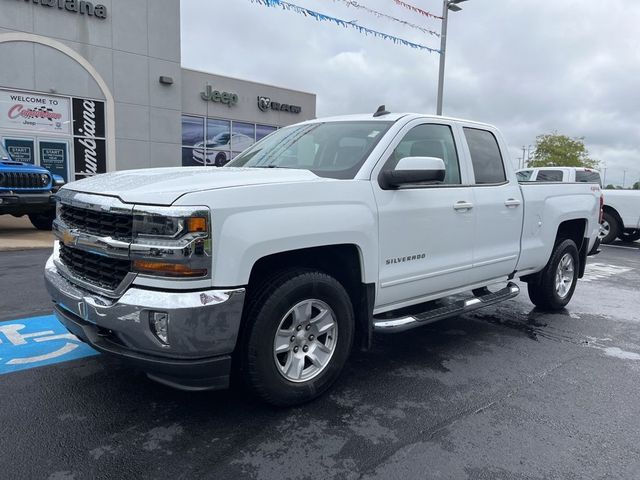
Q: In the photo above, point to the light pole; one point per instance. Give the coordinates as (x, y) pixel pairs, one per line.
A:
(446, 6)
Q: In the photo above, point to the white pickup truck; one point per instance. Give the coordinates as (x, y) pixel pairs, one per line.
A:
(272, 268)
(621, 209)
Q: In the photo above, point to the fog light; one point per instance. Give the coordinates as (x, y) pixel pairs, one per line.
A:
(159, 323)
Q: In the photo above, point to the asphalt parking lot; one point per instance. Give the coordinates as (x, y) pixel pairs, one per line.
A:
(505, 392)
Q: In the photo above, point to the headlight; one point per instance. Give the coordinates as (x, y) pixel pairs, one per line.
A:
(171, 241)
(44, 179)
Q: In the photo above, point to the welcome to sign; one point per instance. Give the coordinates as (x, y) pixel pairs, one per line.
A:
(33, 112)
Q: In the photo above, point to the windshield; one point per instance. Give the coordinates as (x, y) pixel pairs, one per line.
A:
(332, 149)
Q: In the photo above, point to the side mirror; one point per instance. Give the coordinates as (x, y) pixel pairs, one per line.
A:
(412, 171)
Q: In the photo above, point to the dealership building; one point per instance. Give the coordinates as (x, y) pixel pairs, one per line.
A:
(93, 87)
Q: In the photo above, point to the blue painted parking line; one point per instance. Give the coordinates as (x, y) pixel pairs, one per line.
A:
(37, 341)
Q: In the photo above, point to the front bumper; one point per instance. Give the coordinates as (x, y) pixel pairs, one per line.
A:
(203, 329)
(21, 203)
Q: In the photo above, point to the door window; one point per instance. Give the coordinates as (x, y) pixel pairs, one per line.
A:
(485, 156)
(429, 140)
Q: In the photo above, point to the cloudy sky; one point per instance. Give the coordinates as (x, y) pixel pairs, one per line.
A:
(527, 66)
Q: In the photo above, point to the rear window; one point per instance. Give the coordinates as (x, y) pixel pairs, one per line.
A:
(587, 176)
(485, 156)
(549, 176)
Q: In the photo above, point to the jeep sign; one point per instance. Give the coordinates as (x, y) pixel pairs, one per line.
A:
(211, 95)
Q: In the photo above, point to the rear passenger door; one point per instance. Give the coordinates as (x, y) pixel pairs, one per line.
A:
(498, 206)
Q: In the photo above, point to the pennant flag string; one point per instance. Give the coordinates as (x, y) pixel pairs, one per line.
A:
(353, 3)
(416, 9)
(343, 23)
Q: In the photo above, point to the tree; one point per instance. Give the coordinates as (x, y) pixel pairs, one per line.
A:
(610, 187)
(636, 186)
(554, 150)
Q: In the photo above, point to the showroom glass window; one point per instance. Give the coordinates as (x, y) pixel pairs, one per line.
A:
(429, 140)
(213, 141)
(485, 156)
(192, 135)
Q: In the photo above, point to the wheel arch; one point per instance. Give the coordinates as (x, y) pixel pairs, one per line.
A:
(344, 262)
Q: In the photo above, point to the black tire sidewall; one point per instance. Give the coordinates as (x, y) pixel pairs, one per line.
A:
(543, 294)
(263, 375)
(613, 228)
(630, 237)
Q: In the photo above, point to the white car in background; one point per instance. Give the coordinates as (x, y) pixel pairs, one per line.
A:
(215, 150)
(621, 210)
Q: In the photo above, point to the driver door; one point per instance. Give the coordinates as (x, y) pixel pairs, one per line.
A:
(425, 231)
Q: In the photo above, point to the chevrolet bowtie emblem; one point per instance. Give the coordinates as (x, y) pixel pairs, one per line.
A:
(69, 238)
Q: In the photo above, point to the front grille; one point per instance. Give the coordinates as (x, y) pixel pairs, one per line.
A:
(15, 180)
(104, 224)
(95, 269)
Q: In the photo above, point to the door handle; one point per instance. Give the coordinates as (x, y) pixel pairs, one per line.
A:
(462, 205)
(512, 202)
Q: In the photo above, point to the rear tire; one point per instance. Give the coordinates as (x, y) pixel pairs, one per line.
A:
(630, 236)
(42, 221)
(609, 228)
(298, 335)
(554, 287)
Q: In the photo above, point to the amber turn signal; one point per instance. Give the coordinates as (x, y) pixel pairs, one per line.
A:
(167, 269)
(196, 224)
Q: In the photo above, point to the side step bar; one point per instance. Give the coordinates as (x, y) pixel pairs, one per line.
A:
(406, 322)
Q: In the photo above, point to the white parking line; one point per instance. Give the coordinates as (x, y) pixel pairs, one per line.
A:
(597, 271)
(620, 246)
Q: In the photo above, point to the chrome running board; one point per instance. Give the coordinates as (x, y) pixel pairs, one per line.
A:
(406, 322)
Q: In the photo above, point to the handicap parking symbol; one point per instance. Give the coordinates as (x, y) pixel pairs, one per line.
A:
(37, 341)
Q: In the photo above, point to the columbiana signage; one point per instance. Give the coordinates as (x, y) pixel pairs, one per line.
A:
(74, 6)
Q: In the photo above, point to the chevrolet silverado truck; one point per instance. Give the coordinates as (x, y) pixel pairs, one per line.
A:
(621, 208)
(271, 269)
(27, 189)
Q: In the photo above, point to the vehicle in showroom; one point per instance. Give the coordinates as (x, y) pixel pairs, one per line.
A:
(621, 209)
(27, 189)
(273, 267)
(214, 151)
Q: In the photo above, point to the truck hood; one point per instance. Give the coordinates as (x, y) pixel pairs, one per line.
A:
(163, 186)
(11, 166)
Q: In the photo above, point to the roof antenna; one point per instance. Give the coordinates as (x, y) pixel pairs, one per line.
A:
(381, 111)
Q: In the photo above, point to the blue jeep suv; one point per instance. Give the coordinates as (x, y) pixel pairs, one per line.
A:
(27, 189)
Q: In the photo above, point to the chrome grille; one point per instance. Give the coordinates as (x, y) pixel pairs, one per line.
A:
(103, 272)
(103, 224)
(15, 180)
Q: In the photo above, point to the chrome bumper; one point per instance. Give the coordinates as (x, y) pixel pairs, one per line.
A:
(202, 324)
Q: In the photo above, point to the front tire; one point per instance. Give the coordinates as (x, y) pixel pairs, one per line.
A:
(298, 336)
(554, 287)
(609, 228)
(42, 221)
